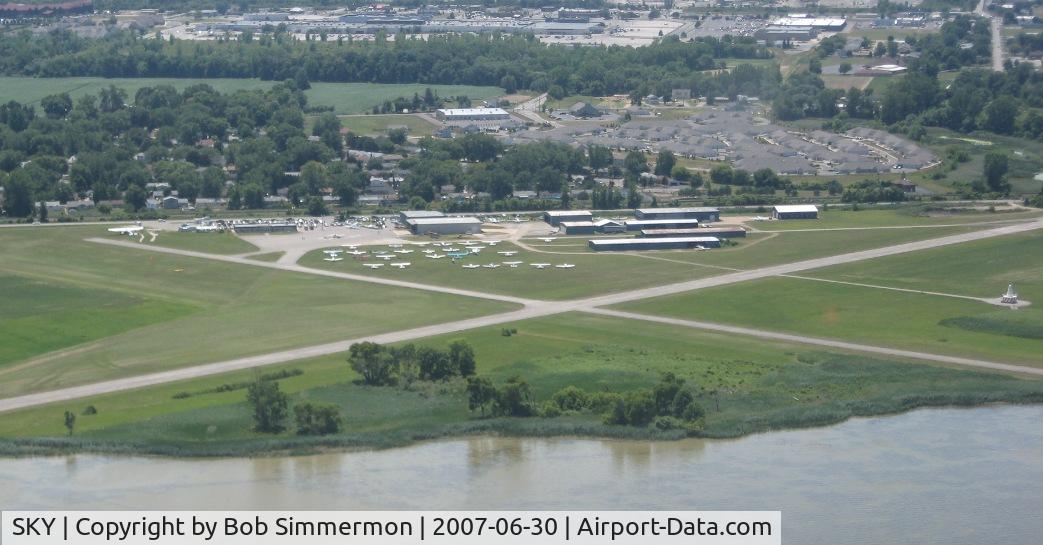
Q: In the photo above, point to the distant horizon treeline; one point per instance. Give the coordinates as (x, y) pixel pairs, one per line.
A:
(508, 61)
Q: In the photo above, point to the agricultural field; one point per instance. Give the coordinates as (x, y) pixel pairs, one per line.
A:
(378, 125)
(345, 98)
(183, 311)
(745, 388)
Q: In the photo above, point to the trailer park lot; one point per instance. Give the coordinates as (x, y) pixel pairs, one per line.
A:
(104, 313)
(749, 142)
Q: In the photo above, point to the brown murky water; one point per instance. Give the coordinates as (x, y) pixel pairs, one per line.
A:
(947, 476)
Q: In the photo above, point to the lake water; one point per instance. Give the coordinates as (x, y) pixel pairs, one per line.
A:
(952, 476)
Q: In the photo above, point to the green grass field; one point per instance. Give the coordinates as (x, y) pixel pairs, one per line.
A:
(346, 98)
(746, 387)
(609, 272)
(213, 243)
(981, 269)
(376, 125)
(183, 311)
(915, 216)
(593, 274)
(852, 313)
(269, 257)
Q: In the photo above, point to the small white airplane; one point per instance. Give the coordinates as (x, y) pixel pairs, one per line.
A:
(334, 258)
(549, 239)
(436, 256)
(491, 265)
(403, 251)
(356, 252)
(428, 251)
(469, 242)
(394, 245)
(332, 252)
(540, 265)
(507, 254)
(512, 264)
(421, 244)
(128, 230)
(385, 257)
(492, 242)
(374, 265)
(450, 249)
(472, 266)
(400, 265)
(350, 246)
(476, 249)
(565, 266)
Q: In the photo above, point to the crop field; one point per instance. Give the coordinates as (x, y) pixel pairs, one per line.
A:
(189, 311)
(345, 98)
(745, 387)
(376, 125)
(852, 313)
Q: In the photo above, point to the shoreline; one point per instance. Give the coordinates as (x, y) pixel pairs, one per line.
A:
(516, 428)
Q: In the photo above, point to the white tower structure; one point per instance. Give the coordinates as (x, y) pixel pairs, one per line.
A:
(1011, 297)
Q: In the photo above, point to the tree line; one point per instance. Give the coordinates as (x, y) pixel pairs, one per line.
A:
(508, 61)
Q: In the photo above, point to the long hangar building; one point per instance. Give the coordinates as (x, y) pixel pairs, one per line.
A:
(704, 215)
(444, 226)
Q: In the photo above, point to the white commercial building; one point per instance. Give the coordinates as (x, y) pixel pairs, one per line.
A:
(472, 114)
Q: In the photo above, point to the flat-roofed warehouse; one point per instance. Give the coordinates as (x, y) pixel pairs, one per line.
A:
(249, 228)
(719, 232)
(555, 217)
(795, 212)
(672, 223)
(472, 114)
(638, 244)
(577, 227)
(445, 226)
(406, 215)
(704, 215)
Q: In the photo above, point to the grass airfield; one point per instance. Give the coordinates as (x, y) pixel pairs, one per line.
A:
(182, 311)
(125, 311)
(759, 386)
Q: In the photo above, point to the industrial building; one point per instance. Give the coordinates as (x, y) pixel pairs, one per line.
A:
(719, 232)
(794, 212)
(704, 215)
(640, 244)
(577, 227)
(640, 225)
(445, 226)
(252, 228)
(472, 114)
(406, 215)
(555, 217)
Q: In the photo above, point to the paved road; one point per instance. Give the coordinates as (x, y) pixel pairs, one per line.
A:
(532, 309)
(996, 25)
